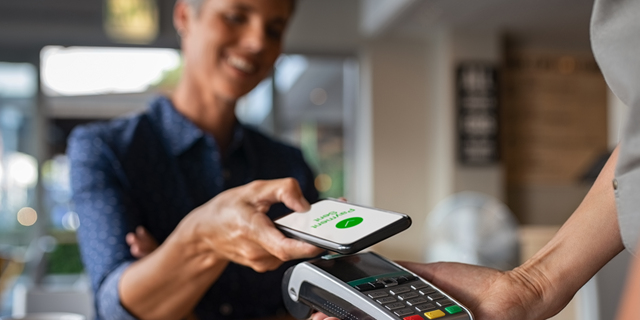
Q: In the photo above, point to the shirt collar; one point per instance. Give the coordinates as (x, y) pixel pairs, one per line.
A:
(180, 133)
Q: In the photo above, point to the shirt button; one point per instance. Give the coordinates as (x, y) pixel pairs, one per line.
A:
(226, 309)
(615, 184)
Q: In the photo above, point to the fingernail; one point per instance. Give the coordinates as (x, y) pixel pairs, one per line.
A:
(305, 204)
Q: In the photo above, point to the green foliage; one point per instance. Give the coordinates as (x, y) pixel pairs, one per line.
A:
(65, 259)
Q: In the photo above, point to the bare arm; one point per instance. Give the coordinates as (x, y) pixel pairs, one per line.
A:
(168, 283)
(544, 284)
(585, 243)
(630, 306)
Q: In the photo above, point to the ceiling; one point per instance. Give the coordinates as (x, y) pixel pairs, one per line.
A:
(319, 27)
(28, 25)
(562, 24)
(323, 26)
(328, 26)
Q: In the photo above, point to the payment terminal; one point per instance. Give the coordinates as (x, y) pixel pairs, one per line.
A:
(365, 286)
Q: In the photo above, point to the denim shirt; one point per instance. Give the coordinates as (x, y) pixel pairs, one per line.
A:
(151, 170)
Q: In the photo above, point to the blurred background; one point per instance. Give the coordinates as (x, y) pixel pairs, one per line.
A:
(418, 106)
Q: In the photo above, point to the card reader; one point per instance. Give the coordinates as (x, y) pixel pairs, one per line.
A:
(365, 286)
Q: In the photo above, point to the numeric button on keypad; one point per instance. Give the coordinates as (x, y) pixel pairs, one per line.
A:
(408, 295)
(435, 296)
(379, 294)
(425, 307)
(416, 301)
(394, 306)
(386, 300)
(419, 285)
(427, 291)
(400, 290)
(444, 302)
(403, 312)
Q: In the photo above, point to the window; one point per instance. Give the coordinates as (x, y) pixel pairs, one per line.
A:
(18, 166)
(306, 103)
(18, 169)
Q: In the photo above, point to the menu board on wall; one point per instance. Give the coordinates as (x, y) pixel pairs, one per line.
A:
(477, 104)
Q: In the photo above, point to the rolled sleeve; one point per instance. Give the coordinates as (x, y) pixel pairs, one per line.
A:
(108, 297)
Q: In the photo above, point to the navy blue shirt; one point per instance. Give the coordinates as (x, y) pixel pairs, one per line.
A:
(151, 170)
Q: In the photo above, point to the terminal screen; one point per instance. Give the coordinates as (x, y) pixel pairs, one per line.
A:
(349, 268)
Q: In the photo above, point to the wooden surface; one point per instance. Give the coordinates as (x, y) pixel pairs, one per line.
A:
(554, 121)
(553, 129)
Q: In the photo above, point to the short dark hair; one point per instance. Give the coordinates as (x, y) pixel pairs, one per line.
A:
(194, 4)
(197, 4)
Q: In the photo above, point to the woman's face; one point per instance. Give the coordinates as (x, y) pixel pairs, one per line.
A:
(229, 46)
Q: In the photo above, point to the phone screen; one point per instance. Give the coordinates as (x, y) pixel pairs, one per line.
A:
(339, 222)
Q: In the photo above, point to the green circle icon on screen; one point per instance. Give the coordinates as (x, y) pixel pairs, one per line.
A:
(348, 223)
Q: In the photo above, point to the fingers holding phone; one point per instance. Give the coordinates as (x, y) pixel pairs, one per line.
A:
(234, 226)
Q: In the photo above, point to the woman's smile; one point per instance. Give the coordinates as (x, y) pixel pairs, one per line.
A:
(243, 65)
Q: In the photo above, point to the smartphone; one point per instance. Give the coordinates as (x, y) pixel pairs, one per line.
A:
(342, 227)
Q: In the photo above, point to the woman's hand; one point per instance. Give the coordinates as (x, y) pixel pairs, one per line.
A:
(141, 242)
(166, 283)
(490, 294)
(493, 294)
(234, 225)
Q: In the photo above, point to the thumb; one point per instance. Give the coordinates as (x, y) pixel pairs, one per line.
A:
(287, 191)
(463, 281)
(272, 240)
(439, 273)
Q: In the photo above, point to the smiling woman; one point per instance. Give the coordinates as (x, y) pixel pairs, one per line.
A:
(228, 48)
(171, 224)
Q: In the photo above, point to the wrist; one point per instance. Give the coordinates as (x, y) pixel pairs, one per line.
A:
(169, 282)
(193, 245)
(546, 297)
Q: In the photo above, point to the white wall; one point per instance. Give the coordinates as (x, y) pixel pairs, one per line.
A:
(397, 95)
(325, 26)
(408, 89)
(378, 15)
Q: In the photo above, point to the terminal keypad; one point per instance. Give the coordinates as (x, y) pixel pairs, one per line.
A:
(409, 298)
(386, 300)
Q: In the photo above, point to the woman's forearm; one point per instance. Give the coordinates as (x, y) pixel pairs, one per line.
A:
(584, 244)
(630, 308)
(169, 282)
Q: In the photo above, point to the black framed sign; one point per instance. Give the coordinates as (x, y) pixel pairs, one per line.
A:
(477, 106)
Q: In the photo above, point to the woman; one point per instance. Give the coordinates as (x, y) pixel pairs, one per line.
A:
(164, 174)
